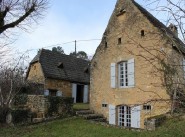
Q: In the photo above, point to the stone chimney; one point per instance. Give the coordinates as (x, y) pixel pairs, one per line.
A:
(174, 29)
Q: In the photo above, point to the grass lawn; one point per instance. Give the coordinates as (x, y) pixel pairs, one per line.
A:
(80, 106)
(77, 127)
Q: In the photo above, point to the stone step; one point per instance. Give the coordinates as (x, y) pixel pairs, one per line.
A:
(92, 116)
(84, 112)
(100, 120)
(37, 120)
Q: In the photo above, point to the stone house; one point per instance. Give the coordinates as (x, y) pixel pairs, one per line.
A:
(126, 85)
(61, 75)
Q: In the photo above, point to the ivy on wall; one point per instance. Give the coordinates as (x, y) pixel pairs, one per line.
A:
(60, 106)
(20, 100)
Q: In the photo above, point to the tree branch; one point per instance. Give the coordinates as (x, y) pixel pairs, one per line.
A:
(18, 21)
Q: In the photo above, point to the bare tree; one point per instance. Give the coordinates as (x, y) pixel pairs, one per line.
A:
(20, 13)
(172, 65)
(12, 75)
(172, 11)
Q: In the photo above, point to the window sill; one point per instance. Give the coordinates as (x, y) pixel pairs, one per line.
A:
(126, 87)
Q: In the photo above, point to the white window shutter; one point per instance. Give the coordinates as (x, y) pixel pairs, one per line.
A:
(46, 93)
(74, 88)
(86, 94)
(112, 114)
(59, 93)
(113, 75)
(131, 73)
(135, 116)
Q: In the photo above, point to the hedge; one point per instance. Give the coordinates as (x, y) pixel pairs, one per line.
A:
(3, 114)
(20, 100)
(60, 106)
(20, 115)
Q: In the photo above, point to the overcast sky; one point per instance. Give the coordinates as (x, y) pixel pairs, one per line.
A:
(66, 21)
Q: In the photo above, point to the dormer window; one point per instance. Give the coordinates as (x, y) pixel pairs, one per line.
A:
(86, 70)
(60, 65)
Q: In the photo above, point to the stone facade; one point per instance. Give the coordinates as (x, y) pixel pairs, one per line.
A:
(40, 105)
(124, 40)
(63, 75)
(36, 75)
(64, 86)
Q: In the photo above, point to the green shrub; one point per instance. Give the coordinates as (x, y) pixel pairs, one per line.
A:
(3, 114)
(54, 105)
(158, 119)
(20, 99)
(20, 115)
(60, 106)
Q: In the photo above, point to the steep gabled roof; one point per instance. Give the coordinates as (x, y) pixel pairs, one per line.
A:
(180, 45)
(62, 67)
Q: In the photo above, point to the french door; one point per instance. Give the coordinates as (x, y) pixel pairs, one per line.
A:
(124, 116)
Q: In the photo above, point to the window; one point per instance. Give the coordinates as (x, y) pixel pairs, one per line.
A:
(123, 74)
(104, 105)
(106, 44)
(52, 92)
(119, 41)
(142, 33)
(147, 107)
(124, 116)
(59, 94)
(60, 65)
(121, 12)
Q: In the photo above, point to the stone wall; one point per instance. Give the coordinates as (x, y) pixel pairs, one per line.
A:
(48, 106)
(38, 104)
(154, 122)
(148, 88)
(60, 85)
(35, 73)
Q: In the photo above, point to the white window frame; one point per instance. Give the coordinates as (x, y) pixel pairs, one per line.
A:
(125, 74)
(124, 116)
(129, 116)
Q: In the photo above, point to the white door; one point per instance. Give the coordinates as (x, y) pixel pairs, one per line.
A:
(86, 94)
(124, 116)
(136, 114)
(74, 88)
(112, 114)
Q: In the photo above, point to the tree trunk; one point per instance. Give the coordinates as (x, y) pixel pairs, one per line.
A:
(174, 102)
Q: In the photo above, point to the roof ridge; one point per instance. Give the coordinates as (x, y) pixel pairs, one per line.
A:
(163, 28)
(150, 17)
(63, 54)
